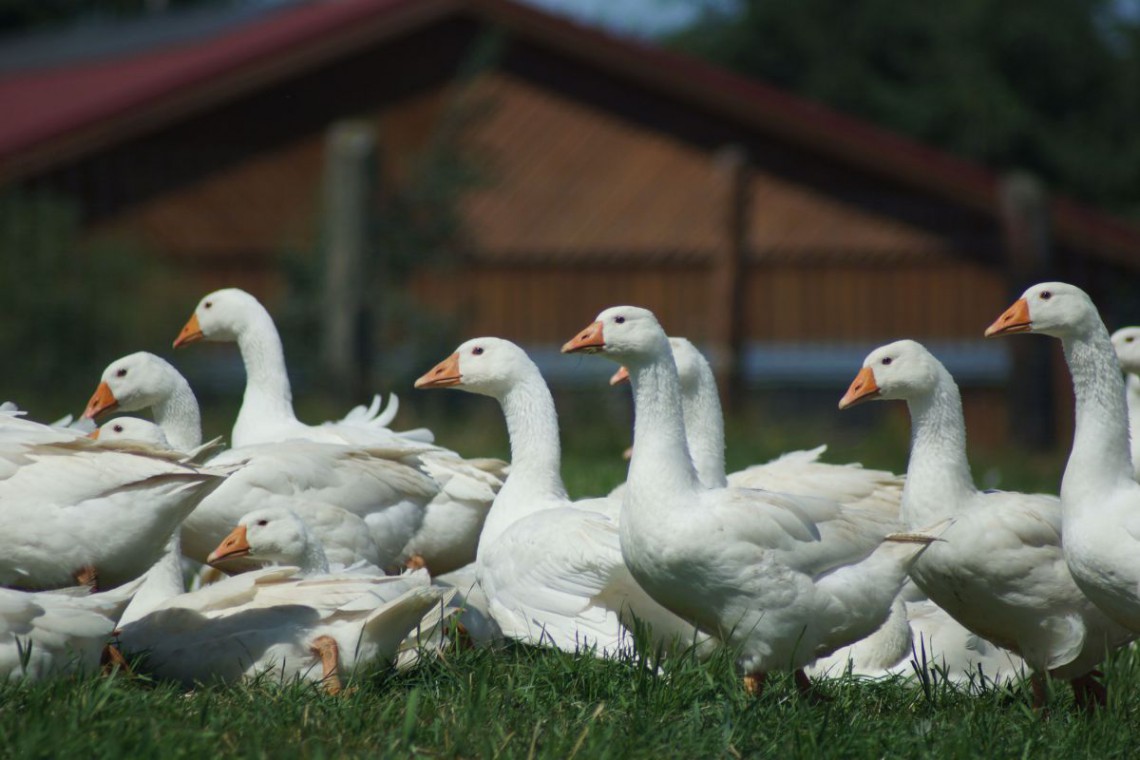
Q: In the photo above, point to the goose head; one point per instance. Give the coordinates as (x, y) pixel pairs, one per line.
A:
(900, 370)
(1050, 308)
(130, 429)
(220, 316)
(273, 534)
(628, 335)
(1126, 341)
(487, 366)
(136, 381)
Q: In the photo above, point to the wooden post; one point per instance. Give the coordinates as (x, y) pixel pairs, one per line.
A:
(349, 197)
(726, 280)
(1026, 230)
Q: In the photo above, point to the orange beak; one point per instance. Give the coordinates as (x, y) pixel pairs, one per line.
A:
(191, 332)
(589, 341)
(94, 434)
(443, 375)
(863, 388)
(619, 377)
(233, 545)
(1015, 319)
(103, 400)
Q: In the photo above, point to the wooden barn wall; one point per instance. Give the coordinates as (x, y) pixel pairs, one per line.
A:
(783, 302)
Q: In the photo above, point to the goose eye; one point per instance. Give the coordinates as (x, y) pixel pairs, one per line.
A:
(887, 361)
(208, 304)
(620, 320)
(121, 373)
(478, 350)
(118, 428)
(262, 523)
(1129, 339)
(1046, 295)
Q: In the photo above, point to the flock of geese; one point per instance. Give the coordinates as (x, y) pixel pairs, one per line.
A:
(313, 550)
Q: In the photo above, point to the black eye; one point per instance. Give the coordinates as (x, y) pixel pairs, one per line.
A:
(478, 350)
(262, 523)
(1046, 295)
(1129, 339)
(208, 304)
(620, 320)
(118, 428)
(121, 373)
(887, 360)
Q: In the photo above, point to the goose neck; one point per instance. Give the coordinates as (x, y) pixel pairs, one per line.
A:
(313, 560)
(178, 415)
(661, 462)
(704, 429)
(938, 474)
(1100, 454)
(267, 390)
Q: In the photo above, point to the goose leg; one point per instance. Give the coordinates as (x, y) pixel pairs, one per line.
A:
(415, 562)
(112, 658)
(1088, 692)
(754, 683)
(87, 576)
(806, 688)
(1040, 691)
(325, 647)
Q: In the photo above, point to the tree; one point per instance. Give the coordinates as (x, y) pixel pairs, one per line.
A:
(1048, 85)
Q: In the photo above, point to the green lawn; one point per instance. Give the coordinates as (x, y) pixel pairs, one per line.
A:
(517, 701)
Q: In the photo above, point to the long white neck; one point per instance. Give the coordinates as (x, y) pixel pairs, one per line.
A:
(704, 428)
(313, 560)
(661, 464)
(938, 475)
(163, 581)
(176, 412)
(1100, 458)
(268, 398)
(535, 479)
(1134, 421)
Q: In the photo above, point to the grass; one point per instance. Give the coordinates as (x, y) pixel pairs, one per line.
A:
(520, 702)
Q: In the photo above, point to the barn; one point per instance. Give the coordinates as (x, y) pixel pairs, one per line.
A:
(785, 238)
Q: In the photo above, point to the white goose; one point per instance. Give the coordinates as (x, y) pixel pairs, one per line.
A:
(551, 568)
(1126, 342)
(387, 489)
(751, 567)
(913, 627)
(72, 506)
(287, 621)
(999, 569)
(51, 633)
(345, 536)
(794, 472)
(1100, 500)
(450, 530)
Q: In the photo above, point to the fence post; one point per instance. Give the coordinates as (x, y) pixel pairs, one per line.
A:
(726, 279)
(1026, 228)
(349, 197)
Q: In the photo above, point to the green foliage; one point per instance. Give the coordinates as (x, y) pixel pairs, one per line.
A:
(70, 305)
(1052, 86)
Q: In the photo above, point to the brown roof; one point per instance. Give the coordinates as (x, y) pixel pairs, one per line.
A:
(54, 115)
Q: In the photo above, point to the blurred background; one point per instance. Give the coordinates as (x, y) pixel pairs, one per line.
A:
(789, 183)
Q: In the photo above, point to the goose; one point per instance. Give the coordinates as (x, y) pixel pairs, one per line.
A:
(277, 622)
(266, 414)
(291, 621)
(999, 569)
(1126, 342)
(53, 633)
(450, 530)
(75, 508)
(143, 380)
(794, 472)
(1100, 500)
(752, 568)
(551, 568)
(345, 536)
